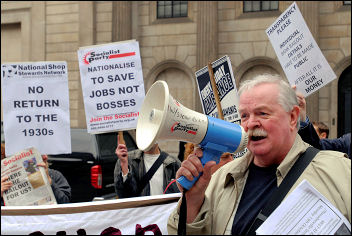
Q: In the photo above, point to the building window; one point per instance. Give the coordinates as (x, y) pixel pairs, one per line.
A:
(172, 9)
(346, 2)
(344, 101)
(255, 6)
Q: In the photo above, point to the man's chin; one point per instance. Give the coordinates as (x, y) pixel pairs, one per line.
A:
(257, 149)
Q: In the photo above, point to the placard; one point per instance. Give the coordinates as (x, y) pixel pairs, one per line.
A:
(300, 56)
(112, 85)
(226, 85)
(36, 107)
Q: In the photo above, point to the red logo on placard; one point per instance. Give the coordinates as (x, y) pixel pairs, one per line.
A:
(85, 58)
(105, 55)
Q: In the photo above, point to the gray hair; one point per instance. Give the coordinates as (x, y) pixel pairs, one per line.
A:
(287, 97)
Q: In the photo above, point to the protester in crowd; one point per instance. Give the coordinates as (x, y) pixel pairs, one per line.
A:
(321, 128)
(130, 174)
(229, 200)
(224, 159)
(58, 182)
(2, 151)
(308, 134)
(181, 150)
(189, 148)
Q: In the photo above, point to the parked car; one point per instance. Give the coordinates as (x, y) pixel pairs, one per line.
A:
(89, 169)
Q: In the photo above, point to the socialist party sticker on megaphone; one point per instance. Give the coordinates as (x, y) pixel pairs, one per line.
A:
(163, 118)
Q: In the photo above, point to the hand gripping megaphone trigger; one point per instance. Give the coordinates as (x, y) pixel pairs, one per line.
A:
(163, 118)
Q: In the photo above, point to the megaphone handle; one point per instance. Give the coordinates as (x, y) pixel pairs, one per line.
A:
(208, 155)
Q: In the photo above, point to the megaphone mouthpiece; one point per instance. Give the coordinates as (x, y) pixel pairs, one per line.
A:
(155, 116)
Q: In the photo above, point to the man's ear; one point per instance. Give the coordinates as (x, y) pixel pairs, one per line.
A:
(294, 117)
(322, 135)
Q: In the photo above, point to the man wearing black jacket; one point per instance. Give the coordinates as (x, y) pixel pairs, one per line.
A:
(131, 168)
(309, 134)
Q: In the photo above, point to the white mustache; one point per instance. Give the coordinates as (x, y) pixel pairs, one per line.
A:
(257, 132)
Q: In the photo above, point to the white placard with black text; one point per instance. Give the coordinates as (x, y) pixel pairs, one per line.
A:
(112, 85)
(300, 56)
(226, 86)
(36, 107)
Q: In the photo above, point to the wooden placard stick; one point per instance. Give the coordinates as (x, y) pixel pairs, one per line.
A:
(217, 100)
(215, 90)
(120, 138)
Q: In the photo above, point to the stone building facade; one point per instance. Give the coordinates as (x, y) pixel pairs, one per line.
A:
(173, 49)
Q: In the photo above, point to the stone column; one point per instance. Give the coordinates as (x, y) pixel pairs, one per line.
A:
(38, 31)
(87, 34)
(121, 21)
(207, 36)
(207, 33)
(310, 12)
(87, 23)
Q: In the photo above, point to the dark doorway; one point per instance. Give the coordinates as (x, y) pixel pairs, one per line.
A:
(344, 103)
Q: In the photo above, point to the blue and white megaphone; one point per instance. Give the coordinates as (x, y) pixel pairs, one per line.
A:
(163, 118)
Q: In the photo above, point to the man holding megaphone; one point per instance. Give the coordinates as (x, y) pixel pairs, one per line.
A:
(236, 198)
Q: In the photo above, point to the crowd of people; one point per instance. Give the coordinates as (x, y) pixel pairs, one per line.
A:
(228, 201)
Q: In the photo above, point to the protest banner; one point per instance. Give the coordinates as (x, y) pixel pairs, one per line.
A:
(112, 85)
(129, 216)
(30, 182)
(36, 107)
(299, 55)
(226, 85)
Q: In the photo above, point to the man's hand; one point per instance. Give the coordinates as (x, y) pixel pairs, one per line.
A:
(302, 104)
(46, 167)
(191, 168)
(121, 153)
(5, 184)
(45, 164)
